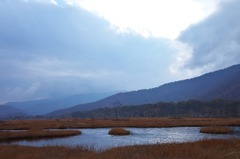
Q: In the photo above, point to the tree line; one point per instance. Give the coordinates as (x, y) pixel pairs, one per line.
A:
(190, 108)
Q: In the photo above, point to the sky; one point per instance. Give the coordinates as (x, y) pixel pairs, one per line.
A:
(54, 48)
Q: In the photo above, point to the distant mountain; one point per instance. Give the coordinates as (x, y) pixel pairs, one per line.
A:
(40, 107)
(224, 84)
(7, 112)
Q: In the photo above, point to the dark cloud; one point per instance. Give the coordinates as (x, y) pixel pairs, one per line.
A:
(48, 50)
(30, 25)
(216, 40)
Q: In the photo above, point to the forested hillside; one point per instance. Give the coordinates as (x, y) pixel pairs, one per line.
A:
(191, 108)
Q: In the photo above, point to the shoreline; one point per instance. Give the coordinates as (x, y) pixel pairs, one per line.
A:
(115, 122)
(208, 148)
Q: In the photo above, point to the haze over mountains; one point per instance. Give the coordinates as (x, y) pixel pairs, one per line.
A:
(7, 111)
(224, 84)
(40, 107)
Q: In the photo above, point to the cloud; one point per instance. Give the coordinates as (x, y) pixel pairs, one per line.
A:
(213, 43)
(49, 50)
(158, 18)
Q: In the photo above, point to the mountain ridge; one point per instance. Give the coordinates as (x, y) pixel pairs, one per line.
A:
(224, 83)
(44, 106)
(9, 112)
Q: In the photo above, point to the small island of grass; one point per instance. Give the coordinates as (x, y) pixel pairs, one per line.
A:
(36, 134)
(216, 130)
(119, 131)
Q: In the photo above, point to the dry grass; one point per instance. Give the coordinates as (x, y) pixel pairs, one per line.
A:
(207, 149)
(54, 152)
(216, 130)
(36, 134)
(119, 131)
(109, 123)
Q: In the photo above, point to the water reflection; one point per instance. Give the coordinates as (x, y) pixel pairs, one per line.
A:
(99, 138)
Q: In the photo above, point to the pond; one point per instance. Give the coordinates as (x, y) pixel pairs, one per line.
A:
(99, 139)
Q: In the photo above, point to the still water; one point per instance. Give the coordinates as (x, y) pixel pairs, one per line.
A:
(99, 139)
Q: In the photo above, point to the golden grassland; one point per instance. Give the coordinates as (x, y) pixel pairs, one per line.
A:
(207, 149)
(119, 131)
(216, 130)
(110, 123)
(36, 134)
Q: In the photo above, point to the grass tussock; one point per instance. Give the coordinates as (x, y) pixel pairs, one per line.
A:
(110, 123)
(207, 149)
(36, 134)
(216, 130)
(119, 132)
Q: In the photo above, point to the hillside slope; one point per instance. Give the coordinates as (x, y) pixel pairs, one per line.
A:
(217, 108)
(224, 84)
(40, 107)
(8, 112)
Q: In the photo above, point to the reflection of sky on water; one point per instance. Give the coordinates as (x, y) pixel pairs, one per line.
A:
(99, 138)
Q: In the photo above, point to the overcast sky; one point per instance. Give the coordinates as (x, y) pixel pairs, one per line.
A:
(51, 48)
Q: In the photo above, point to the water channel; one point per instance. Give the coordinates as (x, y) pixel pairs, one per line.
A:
(99, 138)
